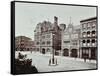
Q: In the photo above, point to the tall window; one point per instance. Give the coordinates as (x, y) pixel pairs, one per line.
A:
(88, 25)
(94, 24)
(83, 41)
(43, 43)
(88, 42)
(84, 34)
(93, 33)
(88, 33)
(74, 42)
(48, 42)
(84, 26)
(37, 49)
(93, 42)
(37, 43)
(48, 36)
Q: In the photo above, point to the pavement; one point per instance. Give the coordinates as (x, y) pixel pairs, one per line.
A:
(41, 62)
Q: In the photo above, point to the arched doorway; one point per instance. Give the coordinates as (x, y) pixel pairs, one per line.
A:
(48, 51)
(66, 52)
(43, 51)
(74, 53)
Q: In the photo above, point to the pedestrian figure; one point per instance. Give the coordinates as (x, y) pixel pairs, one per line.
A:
(85, 56)
(25, 56)
(56, 61)
(84, 59)
(31, 51)
(49, 61)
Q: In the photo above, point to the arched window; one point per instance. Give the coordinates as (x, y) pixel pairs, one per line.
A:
(84, 34)
(93, 40)
(88, 41)
(93, 32)
(88, 32)
(89, 25)
(94, 24)
(48, 42)
(48, 50)
(83, 41)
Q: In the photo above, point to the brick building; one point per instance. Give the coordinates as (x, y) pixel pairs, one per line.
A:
(88, 40)
(70, 41)
(47, 37)
(23, 43)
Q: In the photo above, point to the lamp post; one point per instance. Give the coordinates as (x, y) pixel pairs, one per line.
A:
(53, 51)
(53, 61)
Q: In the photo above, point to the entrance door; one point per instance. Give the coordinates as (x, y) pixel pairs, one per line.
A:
(65, 52)
(74, 53)
(43, 51)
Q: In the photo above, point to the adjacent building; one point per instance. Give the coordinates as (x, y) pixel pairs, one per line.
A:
(88, 40)
(23, 43)
(61, 39)
(70, 41)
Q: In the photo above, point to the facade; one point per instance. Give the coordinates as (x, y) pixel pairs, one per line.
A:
(88, 40)
(73, 41)
(47, 37)
(70, 41)
(23, 43)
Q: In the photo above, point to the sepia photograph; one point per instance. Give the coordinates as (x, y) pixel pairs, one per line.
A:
(51, 37)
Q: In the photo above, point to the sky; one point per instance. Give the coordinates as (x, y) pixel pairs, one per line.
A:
(28, 15)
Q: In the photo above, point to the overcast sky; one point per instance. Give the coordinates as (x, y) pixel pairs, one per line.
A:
(27, 15)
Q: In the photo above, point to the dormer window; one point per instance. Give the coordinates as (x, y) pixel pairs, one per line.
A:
(88, 25)
(94, 24)
(84, 25)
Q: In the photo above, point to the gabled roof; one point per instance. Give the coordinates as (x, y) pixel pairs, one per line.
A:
(23, 37)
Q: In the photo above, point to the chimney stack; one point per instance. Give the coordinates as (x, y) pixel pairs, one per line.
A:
(55, 20)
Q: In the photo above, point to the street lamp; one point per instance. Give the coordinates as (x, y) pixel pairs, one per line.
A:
(53, 51)
(53, 61)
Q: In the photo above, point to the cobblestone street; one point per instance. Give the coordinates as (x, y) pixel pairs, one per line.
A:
(41, 61)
